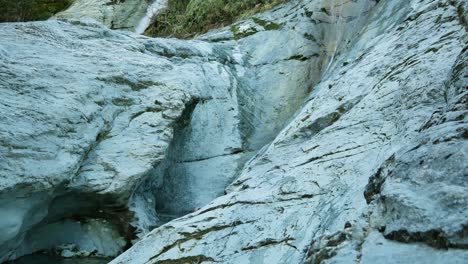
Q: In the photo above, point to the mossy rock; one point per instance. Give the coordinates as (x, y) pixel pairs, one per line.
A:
(238, 34)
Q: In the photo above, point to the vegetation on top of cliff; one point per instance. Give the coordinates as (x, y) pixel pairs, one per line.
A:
(30, 10)
(186, 18)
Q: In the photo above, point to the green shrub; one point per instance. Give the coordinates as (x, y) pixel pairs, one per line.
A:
(186, 18)
(30, 10)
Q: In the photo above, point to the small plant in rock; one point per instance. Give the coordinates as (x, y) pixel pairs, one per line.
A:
(186, 18)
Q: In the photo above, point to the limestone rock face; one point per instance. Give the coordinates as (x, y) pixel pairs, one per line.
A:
(338, 127)
(386, 122)
(108, 125)
(69, 105)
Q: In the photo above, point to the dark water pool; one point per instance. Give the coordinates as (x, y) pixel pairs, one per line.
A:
(48, 259)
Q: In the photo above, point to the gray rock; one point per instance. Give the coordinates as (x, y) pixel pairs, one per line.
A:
(376, 250)
(268, 92)
(317, 112)
(81, 127)
(116, 14)
(420, 193)
(302, 197)
(114, 154)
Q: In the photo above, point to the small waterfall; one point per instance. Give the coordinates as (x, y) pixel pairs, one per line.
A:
(346, 20)
(152, 11)
(336, 11)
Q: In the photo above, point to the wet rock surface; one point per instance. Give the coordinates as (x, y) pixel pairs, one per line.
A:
(115, 14)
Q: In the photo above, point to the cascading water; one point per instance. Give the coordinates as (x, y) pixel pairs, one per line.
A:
(152, 11)
(335, 38)
(345, 23)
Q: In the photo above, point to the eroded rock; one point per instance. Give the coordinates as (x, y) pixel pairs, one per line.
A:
(334, 105)
(309, 183)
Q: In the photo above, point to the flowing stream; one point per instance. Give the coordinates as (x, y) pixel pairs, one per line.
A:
(154, 8)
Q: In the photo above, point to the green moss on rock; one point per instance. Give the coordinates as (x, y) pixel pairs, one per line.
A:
(238, 34)
(267, 25)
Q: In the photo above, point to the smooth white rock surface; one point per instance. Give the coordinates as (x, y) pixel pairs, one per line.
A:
(353, 115)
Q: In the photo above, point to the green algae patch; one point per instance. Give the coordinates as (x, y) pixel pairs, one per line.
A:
(267, 25)
(238, 34)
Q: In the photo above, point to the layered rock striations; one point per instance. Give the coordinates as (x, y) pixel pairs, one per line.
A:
(108, 127)
(338, 128)
(362, 173)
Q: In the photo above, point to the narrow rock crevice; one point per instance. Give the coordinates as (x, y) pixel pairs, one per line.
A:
(179, 184)
(434, 238)
(266, 243)
(197, 235)
(326, 247)
(188, 259)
